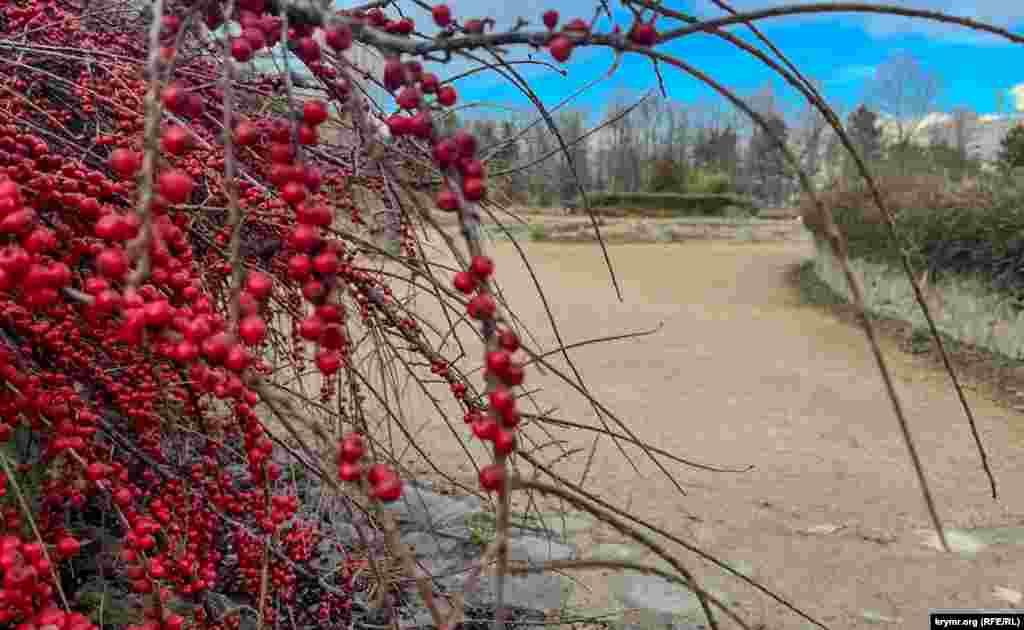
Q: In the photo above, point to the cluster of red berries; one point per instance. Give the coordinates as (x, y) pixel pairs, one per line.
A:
(385, 484)
(505, 372)
(28, 574)
(69, 240)
(561, 44)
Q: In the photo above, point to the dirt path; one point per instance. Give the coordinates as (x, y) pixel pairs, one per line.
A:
(742, 374)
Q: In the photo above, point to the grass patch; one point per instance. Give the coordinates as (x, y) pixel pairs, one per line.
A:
(813, 289)
(671, 204)
(537, 232)
(997, 375)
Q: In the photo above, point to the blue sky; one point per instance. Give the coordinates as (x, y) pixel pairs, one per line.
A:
(840, 50)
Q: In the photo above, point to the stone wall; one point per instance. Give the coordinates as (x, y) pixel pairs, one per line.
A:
(666, 231)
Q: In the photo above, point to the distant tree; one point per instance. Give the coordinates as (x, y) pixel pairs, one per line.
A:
(717, 150)
(667, 176)
(573, 167)
(542, 176)
(765, 164)
(862, 128)
(906, 90)
(1011, 149)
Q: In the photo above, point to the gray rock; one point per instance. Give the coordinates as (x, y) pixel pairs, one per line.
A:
(422, 509)
(670, 602)
(536, 549)
(541, 591)
(425, 544)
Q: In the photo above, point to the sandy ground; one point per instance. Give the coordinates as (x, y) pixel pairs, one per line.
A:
(742, 374)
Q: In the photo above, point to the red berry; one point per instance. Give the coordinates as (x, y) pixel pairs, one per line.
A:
(246, 133)
(174, 97)
(492, 478)
(257, 40)
(112, 263)
(304, 237)
(158, 313)
(175, 140)
(498, 362)
(399, 125)
(328, 361)
(577, 25)
(308, 136)
(409, 98)
(314, 112)
(259, 284)
(482, 306)
(561, 48)
(445, 152)
(293, 192)
(447, 96)
(502, 400)
(473, 188)
(378, 472)
(388, 490)
(326, 263)
(643, 34)
(339, 37)
(125, 163)
(68, 546)
(252, 330)
(394, 74)
(299, 267)
(216, 347)
(237, 359)
(504, 442)
(311, 328)
(349, 471)
(486, 428)
(471, 168)
(508, 340)
(447, 201)
(352, 448)
(511, 419)
(307, 49)
(241, 49)
(465, 282)
(550, 18)
(514, 375)
(481, 266)
(175, 185)
(442, 15)
(429, 83)
(465, 142)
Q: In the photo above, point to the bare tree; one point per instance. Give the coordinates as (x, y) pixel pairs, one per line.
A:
(572, 168)
(807, 134)
(965, 126)
(907, 91)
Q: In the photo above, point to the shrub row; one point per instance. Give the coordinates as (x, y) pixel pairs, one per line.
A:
(669, 204)
(963, 231)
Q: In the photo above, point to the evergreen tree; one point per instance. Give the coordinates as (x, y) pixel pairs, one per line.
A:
(862, 127)
(1011, 149)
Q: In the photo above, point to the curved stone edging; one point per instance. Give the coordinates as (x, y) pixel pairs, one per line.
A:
(961, 307)
(655, 231)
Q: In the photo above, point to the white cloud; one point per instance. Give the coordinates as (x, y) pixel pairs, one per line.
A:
(1001, 13)
(1017, 92)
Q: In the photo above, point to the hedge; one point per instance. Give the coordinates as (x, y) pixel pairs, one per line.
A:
(984, 241)
(668, 204)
